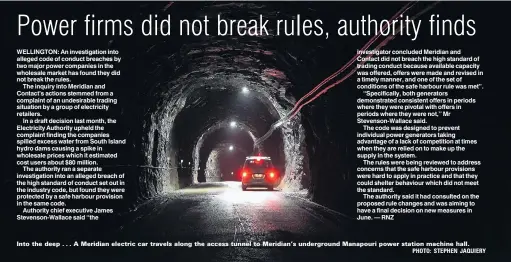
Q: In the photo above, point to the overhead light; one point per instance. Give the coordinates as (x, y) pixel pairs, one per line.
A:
(233, 124)
(245, 90)
(231, 148)
(181, 160)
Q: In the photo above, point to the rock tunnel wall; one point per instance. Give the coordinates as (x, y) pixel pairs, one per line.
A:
(212, 170)
(156, 172)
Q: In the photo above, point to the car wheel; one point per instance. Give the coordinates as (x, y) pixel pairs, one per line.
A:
(244, 188)
(270, 188)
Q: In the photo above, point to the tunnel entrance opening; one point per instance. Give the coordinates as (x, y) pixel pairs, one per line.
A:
(229, 165)
(213, 117)
(223, 163)
(223, 152)
(225, 143)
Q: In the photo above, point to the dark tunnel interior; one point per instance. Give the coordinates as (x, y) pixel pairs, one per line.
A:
(192, 88)
(222, 163)
(224, 147)
(182, 93)
(224, 116)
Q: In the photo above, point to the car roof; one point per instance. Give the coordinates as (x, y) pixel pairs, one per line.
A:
(258, 157)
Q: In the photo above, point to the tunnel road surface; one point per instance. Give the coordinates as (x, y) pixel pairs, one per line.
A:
(222, 213)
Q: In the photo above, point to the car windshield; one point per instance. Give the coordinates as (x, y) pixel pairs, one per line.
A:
(254, 163)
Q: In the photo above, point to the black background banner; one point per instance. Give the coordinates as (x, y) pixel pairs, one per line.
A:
(153, 64)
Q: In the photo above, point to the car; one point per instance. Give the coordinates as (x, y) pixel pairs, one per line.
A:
(258, 171)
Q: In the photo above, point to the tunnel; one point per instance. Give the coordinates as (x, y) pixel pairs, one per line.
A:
(222, 163)
(234, 115)
(190, 89)
(232, 149)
